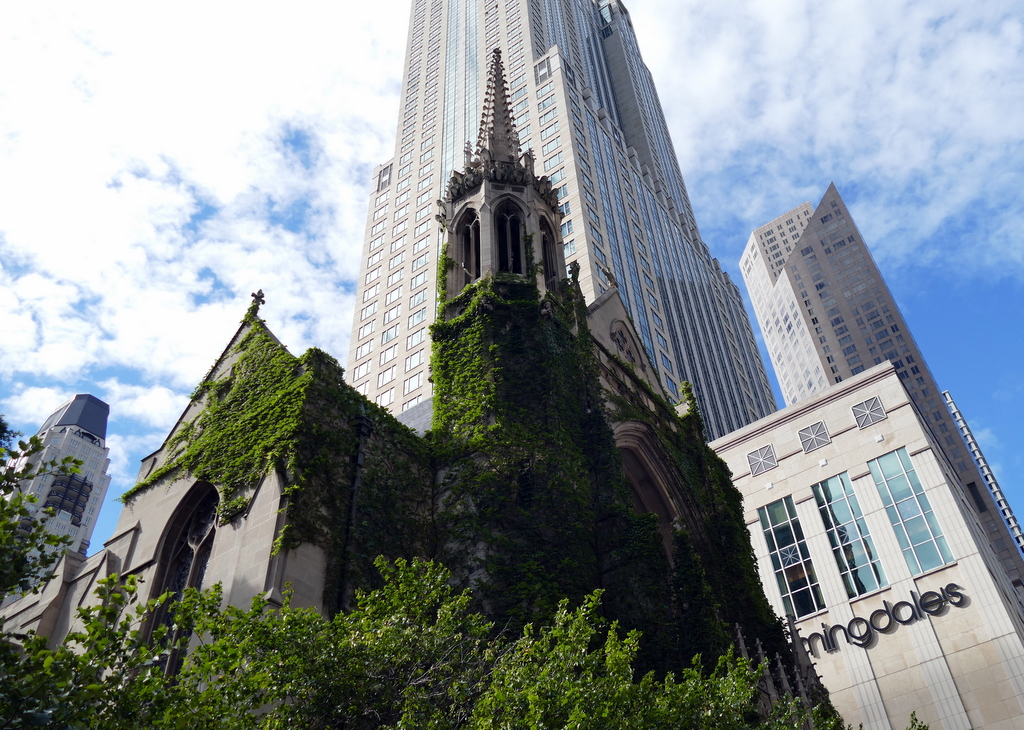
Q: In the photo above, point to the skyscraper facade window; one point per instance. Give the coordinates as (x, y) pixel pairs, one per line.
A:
(584, 102)
(77, 429)
(826, 314)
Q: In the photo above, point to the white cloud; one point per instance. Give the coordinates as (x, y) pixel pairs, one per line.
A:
(33, 405)
(122, 122)
(155, 159)
(123, 470)
(916, 111)
(988, 439)
(154, 405)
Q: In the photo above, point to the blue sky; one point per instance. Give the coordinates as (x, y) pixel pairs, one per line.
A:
(154, 170)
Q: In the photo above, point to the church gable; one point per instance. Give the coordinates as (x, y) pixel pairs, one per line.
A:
(614, 332)
(281, 441)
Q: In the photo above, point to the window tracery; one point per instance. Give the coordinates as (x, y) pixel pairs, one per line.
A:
(185, 556)
(508, 224)
(624, 343)
(469, 247)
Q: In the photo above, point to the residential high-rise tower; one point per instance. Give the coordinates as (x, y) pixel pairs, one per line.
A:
(826, 314)
(77, 429)
(584, 102)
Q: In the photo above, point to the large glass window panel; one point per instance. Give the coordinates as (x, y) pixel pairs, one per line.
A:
(899, 486)
(791, 561)
(852, 547)
(917, 529)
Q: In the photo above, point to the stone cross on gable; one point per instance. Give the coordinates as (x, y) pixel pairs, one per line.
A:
(258, 298)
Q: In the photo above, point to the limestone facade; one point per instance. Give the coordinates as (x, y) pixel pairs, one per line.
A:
(852, 541)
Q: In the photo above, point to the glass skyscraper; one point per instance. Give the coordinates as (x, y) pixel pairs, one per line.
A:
(585, 103)
(826, 314)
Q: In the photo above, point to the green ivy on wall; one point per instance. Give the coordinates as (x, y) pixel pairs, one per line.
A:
(536, 488)
(275, 413)
(519, 488)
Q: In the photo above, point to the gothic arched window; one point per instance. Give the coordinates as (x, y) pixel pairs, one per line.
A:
(188, 543)
(469, 247)
(547, 248)
(508, 225)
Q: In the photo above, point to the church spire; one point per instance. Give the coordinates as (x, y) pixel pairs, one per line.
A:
(497, 136)
(498, 156)
(499, 216)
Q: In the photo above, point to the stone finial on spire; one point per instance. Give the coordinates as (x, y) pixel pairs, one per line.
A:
(497, 139)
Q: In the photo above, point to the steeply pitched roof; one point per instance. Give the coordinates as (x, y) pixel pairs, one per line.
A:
(497, 130)
(85, 411)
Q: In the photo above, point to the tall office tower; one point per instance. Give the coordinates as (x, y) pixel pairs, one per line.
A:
(585, 103)
(78, 429)
(826, 314)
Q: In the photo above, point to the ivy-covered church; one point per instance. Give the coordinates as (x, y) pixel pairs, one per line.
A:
(554, 465)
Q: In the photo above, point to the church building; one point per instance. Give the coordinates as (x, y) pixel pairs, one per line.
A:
(555, 464)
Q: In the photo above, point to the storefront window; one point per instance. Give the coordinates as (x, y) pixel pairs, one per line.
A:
(910, 512)
(794, 571)
(852, 547)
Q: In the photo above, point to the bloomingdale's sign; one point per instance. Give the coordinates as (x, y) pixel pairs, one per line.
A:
(861, 631)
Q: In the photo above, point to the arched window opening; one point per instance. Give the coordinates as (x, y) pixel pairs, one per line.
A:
(508, 223)
(647, 494)
(186, 555)
(547, 243)
(469, 248)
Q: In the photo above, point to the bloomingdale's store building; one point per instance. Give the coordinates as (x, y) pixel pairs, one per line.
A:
(862, 532)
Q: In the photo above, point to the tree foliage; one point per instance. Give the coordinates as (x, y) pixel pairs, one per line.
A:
(412, 654)
(109, 675)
